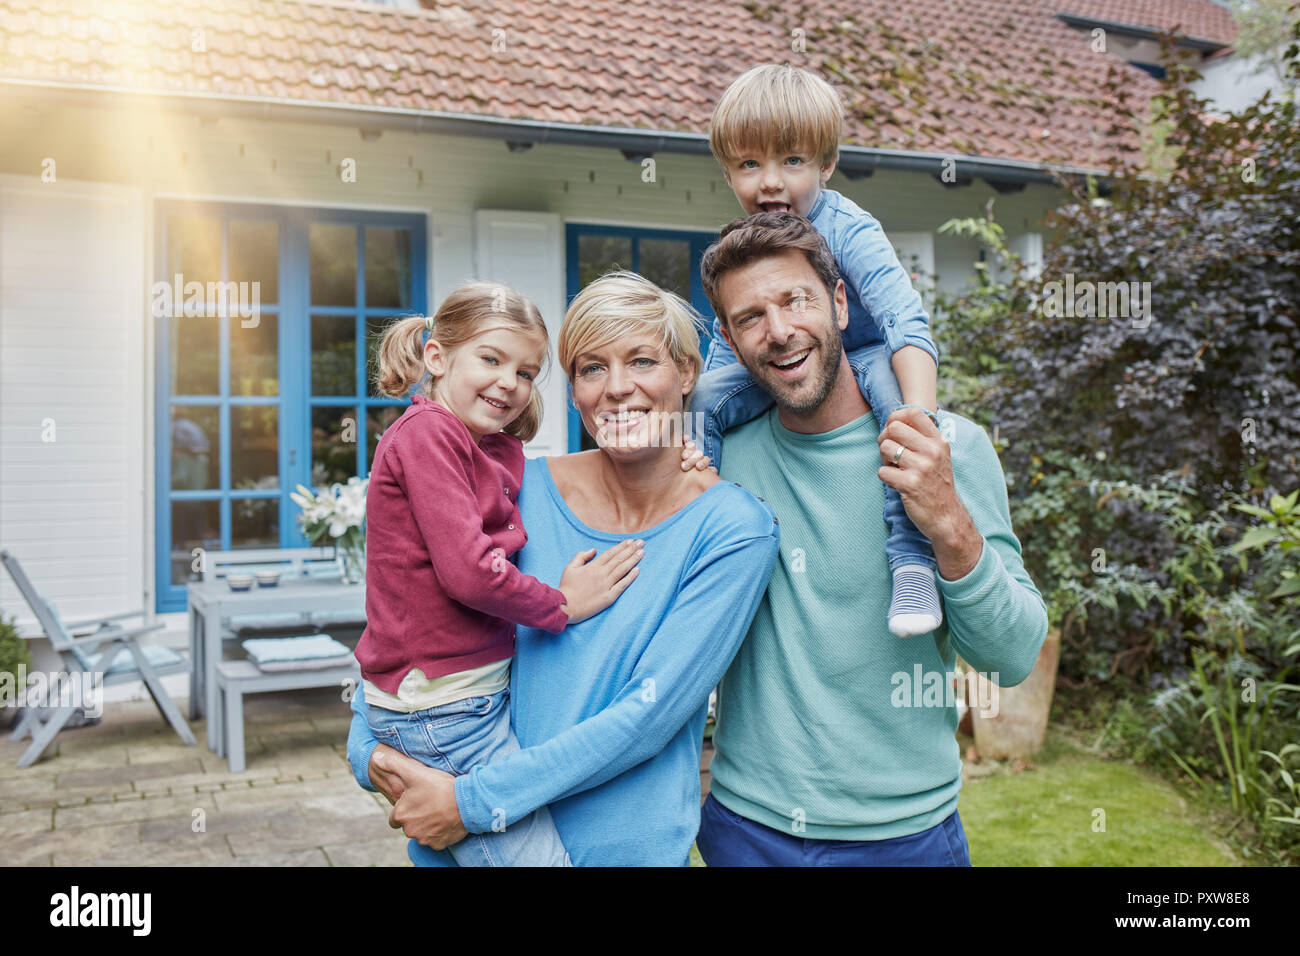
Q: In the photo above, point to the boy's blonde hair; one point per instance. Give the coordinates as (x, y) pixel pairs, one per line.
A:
(781, 108)
(469, 311)
(623, 303)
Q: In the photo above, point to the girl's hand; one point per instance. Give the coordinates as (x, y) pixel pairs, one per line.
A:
(591, 586)
(691, 455)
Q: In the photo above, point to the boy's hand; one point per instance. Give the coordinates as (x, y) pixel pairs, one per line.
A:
(591, 586)
(691, 455)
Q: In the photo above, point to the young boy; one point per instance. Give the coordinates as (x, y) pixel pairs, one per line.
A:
(776, 132)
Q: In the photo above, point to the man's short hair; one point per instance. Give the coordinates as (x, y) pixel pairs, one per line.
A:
(764, 234)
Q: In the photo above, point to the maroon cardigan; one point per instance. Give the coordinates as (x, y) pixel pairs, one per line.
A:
(441, 522)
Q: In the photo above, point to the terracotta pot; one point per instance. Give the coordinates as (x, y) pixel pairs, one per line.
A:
(1014, 721)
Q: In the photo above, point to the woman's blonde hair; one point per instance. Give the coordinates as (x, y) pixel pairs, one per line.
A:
(780, 108)
(469, 311)
(622, 303)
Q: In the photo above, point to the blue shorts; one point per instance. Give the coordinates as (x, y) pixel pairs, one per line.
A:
(728, 839)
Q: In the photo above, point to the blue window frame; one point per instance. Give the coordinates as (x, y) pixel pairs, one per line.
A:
(670, 258)
(251, 402)
(1155, 69)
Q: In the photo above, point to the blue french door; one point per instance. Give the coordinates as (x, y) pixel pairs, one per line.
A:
(265, 369)
(668, 258)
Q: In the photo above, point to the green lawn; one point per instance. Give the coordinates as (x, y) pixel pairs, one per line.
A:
(1045, 815)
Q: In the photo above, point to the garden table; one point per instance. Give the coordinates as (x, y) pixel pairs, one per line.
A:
(212, 601)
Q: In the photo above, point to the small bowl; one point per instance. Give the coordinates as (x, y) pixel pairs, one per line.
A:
(239, 582)
(267, 579)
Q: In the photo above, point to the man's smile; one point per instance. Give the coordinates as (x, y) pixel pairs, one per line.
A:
(790, 364)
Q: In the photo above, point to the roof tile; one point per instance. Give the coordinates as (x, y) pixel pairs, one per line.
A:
(976, 77)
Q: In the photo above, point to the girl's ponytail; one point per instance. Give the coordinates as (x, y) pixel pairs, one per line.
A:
(401, 357)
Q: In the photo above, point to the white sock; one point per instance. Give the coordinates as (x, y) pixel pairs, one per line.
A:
(915, 607)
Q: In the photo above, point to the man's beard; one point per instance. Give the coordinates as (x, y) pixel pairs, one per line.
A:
(832, 349)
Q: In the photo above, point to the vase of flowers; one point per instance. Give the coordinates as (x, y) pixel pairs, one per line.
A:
(337, 515)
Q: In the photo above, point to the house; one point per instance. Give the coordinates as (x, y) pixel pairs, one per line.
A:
(321, 167)
(1203, 34)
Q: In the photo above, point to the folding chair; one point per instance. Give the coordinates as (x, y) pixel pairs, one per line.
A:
(111, 651)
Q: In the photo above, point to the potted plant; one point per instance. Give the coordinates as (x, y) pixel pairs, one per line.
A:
(337, 515)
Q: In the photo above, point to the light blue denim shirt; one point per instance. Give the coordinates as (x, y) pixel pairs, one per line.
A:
(876, 283)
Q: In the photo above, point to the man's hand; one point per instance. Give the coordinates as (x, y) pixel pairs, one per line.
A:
(916, 461)
(424, 799)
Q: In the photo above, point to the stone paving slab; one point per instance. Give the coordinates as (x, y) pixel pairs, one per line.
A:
(128, 792)
(129, 774)
(386, 851)
(312, 857)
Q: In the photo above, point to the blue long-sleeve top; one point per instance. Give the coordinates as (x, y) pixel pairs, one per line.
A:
(610, 712)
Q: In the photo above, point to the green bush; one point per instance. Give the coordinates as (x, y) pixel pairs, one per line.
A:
(13, 654)
(13, 649)
(1147, 461)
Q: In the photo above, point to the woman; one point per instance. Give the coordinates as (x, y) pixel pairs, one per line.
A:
(610, 712)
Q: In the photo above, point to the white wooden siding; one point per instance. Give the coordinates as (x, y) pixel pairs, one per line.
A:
(72, 348)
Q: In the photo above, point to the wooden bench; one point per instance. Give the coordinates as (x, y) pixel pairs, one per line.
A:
(237, 678)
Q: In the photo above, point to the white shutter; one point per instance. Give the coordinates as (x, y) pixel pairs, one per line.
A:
(1029, 247)
(525, 250)
(72, 346)
(916, 253)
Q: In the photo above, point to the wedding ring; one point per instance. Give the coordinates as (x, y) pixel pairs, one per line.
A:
(897, 455)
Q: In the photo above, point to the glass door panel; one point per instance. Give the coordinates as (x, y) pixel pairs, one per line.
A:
(264, 385)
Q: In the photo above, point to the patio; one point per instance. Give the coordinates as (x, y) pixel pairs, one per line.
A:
(125, 793)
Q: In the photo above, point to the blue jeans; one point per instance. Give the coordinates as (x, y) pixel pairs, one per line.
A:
(728, 839)
(456, 738)
(727, 396)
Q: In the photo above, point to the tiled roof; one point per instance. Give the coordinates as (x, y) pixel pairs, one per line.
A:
(1201, 19)
(996, 78)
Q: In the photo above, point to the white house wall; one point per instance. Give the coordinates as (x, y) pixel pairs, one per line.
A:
(72, 398)
(1231, 83)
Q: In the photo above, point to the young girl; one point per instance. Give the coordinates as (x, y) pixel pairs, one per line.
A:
(442, 596)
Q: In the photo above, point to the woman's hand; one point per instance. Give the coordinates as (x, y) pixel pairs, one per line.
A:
(591, 586)
(382, 774)
(692, 456)
(425, 805)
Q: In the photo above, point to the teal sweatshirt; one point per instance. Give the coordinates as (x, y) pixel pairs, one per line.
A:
(829, 726)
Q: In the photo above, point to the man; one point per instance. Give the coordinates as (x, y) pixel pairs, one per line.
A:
(835, 741)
